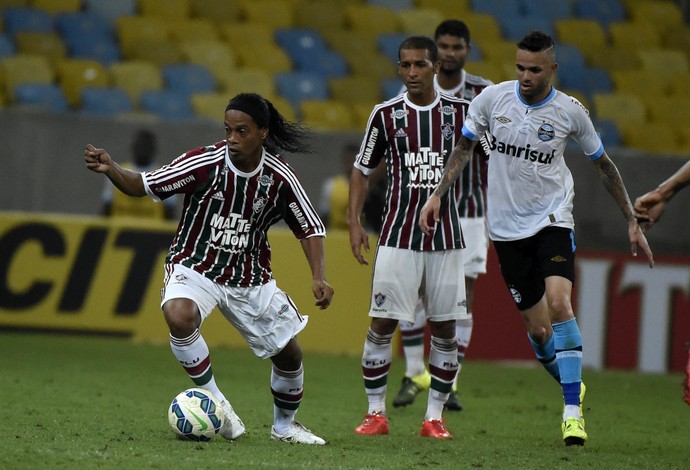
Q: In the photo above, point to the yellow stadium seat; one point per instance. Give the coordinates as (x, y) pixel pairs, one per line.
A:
(489, 70)
(135, 77)
(25, 68)
(215, 55)
(360, 115)
(612, 58)
(632, 82)
(621, 109)
(173, 10)
(322, 15)
(274, 13)
(371, 18)
(268, 57)
(218, 12)
(356, 89)
(483, 28)
(672, 110)
(248, 80)
(419, 21)
(198, 29)
(677, 37)
(678, 85)
(634, 36)
(499, 52)
(664, 62)
(55, 6)
(456, 9)
(584, 33)
(652, 137)
(49, 45)
(132, 30)
(327, 115)
(157, 52)
(210, 105)
(75, 74)
(240, 35)
(283, 106)
(663, 13)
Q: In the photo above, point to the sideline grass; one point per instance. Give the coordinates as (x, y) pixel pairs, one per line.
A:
(78, 402)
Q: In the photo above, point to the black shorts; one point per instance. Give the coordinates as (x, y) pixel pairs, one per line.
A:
(526, 263)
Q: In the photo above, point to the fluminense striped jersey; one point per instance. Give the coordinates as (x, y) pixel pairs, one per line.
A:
(472, 187)
(415, 142)
(226, 214)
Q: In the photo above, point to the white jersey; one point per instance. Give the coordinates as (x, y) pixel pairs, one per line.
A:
(529, 185)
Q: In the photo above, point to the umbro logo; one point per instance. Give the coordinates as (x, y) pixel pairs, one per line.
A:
(503, 120)
(400, 134)
(558, 259)
(219, 196)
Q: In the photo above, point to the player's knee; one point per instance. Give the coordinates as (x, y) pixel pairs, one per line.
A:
(290, 357)
(182, 317)
(560, 308)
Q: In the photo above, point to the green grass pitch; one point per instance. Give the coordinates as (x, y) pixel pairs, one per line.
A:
(82, 402)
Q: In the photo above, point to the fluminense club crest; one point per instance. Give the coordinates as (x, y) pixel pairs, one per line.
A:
(379, 299)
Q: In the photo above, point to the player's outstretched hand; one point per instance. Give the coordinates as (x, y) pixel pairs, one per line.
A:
(323, 292)
(359, 239)
(638, 240)
(649, 208)
(96, 160)
(429, 213)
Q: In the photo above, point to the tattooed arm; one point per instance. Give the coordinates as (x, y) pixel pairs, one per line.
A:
(457, 161)
(614, 185)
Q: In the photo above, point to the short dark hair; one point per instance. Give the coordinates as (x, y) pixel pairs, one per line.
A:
(453, 28)
(420, 42)
(536, 41)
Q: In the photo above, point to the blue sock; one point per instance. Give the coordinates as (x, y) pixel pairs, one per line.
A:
(546, 354)
(568, 343)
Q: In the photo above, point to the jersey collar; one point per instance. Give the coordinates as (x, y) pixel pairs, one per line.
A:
(239, 172)
(548, 98)
(437, 97)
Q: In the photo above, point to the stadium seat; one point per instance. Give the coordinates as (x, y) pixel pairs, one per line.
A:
(284, 107)
(134, 77)
(499, 51)
(74, 27)
(389, 45)
(355, 89)
(239, 35)
(296, 87)
(57, 6)
(17, 19)
(302, 45)
(105, 102)
(273, 13)
(111, 10)
(48, 97)
(75, 74)
(512, 9)
(569, 58)
(391, 88)
(489, 70)
(633, 81)
(268, 57)
(586, 34)
(484, 28)
(248, 80)
(588, 81)
(133, 30)
(419, 21)
(216, 56)
(172, 10)
(218, 13)
(49, 45)
(326, 115)
(188, 78)
(395, 5)
(678, 85)
(371, 18)
(330, 64)
(665, 62)
(603, 11)
(168, 105)
(634, 36)
(157, 52)
(547, 9)
(664, 13)
(612, 58)
(101, 48)
(454, 9)
(197, 29)
(515, 28)
(210, 105)
(653, 137)
(609, 132)
(7, 47)
(24, 68)
(322, 15)
(672, 110)
(619, 108)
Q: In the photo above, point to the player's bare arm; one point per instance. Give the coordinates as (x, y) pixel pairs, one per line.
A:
(457, 161)
(129, 182)
(359, 186)
(650, 206)
(614, 185)
(316, 257)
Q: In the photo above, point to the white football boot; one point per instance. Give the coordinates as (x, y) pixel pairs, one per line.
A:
(232, 426)
(297, 434)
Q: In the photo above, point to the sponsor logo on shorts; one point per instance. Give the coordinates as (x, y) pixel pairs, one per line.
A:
(517, 297)
(462, 303)
(180, 279)
(283, 309)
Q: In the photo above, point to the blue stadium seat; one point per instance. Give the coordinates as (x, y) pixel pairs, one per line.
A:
(569, 58)
(609, 132)
(329, 64)
(188, 78)
(395, 5)
(45, 96)
(515, 28)
(101, 48)
(300, 44)
(7, 47)
(391, 87)
(166, 104)
(298, 86)
(587, 81)
(389, 44)
(26, 19)
(105, 102)
(507, 9)
(603, 11)
(111, 10)
(81, 26)
(548, 9)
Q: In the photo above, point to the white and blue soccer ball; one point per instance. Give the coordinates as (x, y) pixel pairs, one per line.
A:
(195, 415)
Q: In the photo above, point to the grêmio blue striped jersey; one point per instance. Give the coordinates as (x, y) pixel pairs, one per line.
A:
(227, 213)
(415, 142)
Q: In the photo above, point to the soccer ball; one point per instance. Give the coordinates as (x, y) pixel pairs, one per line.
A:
(195, 415)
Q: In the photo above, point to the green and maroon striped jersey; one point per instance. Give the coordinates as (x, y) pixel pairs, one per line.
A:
(415, 143)
(227, 213)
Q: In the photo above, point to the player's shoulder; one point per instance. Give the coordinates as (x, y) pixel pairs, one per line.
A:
(571, 104)
(209, 153)
(476, 80)
(446, 96)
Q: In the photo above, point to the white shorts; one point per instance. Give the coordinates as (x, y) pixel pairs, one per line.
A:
(264, 315)
(477, 245)
(400, 276)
